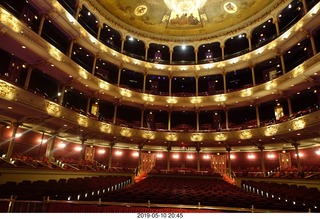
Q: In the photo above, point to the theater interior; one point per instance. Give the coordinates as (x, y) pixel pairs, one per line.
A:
(168, 106)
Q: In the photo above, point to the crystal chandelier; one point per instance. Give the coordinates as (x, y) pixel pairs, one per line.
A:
(184, 6)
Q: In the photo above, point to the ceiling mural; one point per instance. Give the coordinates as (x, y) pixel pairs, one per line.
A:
(154, 16)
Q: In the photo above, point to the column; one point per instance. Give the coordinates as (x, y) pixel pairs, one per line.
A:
(198, 156)
(88, 105)
(12, 140)
(171, 51)
(94, 64)
(142, 118)
(168, 156)
(170, 84)
(83, 149)
(276, 23)
(263, 168)
(3, 127)
(78, 9)
(305, 7)
(197, 119)
(196, 55)
(123, 39)
(140, 156)
(50, 148)
(253, 75)
(119, 75)
(27, 81)
(227, 119)
(144, 82)
(61, 97)
(69, 54)
(42, 19)
(257, 115)
(289, 106)
(169, 120)
(283, 66)
(146, 52)
(249, 37)
(110, 155)
(228, 149)
(222, 51)
(40, 146)
(224, 82)
(197, 85)
(115, 114)
(296, 147)
(100, 26)
(313, 44)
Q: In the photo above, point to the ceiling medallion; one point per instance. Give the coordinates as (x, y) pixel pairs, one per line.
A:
(184, 7)
(140, 10)
(230, 7)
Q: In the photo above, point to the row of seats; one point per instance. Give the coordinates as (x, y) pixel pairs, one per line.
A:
(63, 189)
(58, 163)
(300, 196)
(204, 191)
(61, 207)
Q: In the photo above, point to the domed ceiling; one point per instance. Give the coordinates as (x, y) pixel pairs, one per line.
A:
(214, 17)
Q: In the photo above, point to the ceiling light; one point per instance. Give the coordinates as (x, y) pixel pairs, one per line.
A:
(184, 6)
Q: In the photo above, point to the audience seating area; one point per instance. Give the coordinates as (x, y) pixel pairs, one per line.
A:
(308, 172)
(119, 194)
(299, 196)
(184, 171)
(63, 189)
(202, 191)
(23, 161)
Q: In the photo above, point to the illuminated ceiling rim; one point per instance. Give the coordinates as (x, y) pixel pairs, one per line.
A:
(126, 29)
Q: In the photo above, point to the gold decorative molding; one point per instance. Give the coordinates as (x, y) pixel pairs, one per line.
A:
(83, 120)
(148, 135)
(298, 124)
(7, 91)
(125, 132)
(246, 92)
(107, 128)
(196, 137)
(125, 92)
(172, 100)
(104, 85)
(54, 109)
(83, 73)
(172, 137)
(9, 20)
(220, 98)
(148, 97)
(245, 134)
(271, 130)
(55, 53)
(195, 100)
(220, 137)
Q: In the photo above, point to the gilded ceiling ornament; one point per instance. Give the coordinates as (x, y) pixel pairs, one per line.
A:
(140, 10)
(230, 7)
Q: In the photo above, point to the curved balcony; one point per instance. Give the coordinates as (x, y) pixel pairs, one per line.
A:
(53, 113)
(59, 65)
